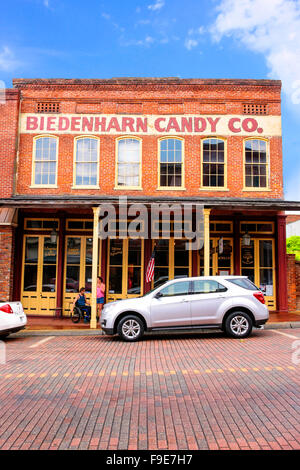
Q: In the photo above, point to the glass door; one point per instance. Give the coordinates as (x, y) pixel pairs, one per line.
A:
(221, 257)
(78, 268)
(39, 275)
(125, 268)
(257, 262)
(172, 260)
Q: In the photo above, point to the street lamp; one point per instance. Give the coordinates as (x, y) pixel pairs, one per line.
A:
(246, 239)
(53, 235)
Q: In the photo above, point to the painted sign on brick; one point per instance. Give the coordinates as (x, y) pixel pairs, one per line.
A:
(150, 124)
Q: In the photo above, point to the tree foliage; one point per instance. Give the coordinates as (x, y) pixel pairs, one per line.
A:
(293, 246)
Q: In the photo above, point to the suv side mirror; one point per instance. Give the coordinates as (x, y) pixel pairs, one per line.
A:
(158, 295)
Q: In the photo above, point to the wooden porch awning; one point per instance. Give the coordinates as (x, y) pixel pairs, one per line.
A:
(71, 202)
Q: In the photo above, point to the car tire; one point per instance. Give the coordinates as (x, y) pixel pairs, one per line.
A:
(130, 328)
(76, 314)
(238, 325)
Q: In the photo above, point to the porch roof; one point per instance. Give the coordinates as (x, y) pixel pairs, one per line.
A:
(75, 201)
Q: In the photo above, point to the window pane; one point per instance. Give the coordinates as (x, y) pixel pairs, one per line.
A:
(128, 162)
(30, 277)
(31, 250)
(213, 153)
(207, 287)
(178, 288)
(171, 162)
(256, 163)
(45, 160)
(86, 162)
(73, 250)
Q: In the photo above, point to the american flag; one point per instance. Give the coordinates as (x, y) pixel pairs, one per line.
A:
(150, 267)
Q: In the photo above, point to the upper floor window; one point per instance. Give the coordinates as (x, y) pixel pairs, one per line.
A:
(256, 163)
(86, 172)
(128, 170)
(213, 163)
(45, 161)
(171, 163)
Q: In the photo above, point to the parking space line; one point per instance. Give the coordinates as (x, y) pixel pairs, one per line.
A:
(35, 345)
(285, 334)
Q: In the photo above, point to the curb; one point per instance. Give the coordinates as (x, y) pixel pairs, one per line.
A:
(99, 332)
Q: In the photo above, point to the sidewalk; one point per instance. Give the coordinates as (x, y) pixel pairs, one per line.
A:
(64, 326)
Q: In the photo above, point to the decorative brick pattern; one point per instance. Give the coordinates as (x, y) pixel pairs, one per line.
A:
(187, 392)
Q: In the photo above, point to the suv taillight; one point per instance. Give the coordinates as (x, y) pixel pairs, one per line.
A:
(259, 296)
(6, 308)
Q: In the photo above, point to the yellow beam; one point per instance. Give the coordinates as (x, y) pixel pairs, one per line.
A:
(206, 242)
(93, 324)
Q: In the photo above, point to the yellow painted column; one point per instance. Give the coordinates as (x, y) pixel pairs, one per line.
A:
(96, 211)
(206, 242)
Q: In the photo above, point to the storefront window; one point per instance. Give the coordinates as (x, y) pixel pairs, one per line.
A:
(73, 264)
(31, 264)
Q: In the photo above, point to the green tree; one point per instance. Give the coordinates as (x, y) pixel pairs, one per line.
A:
(293, 246)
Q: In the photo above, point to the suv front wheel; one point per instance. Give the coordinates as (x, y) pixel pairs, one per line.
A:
(130, 328)
(238, 325)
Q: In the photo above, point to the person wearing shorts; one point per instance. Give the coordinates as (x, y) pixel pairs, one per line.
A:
(100, 295)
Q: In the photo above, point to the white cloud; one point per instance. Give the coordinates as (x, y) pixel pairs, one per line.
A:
(157, 5)
(190, 44)
(269, 27)
(146, 42)
(193, 37)
(7, 60)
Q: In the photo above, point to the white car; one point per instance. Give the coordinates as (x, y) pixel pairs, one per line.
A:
(12, 318)
(230, 303)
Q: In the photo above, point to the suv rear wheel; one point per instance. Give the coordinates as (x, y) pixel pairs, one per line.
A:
(238, 325)
(130, 328)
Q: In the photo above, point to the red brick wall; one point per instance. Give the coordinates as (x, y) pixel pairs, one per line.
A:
(146, 96)
(297, 266)
(7, 241)
(8, 141)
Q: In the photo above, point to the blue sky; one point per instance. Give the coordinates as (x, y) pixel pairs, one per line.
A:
(186, 39)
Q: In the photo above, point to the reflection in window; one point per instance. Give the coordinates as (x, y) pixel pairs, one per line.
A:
(171, 163)
(255, 163)
(45, 160)
(128, 165)
(86, 161)
(213, 166)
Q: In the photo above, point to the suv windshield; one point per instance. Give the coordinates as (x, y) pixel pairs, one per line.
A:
(242, 282)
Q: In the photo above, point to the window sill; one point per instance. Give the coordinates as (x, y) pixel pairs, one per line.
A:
(46, 186)
(128, 188)
(85, 187)
(212, 188)
(173, 188)
(256, 189)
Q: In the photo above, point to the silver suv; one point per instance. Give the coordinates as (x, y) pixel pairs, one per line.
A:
(232, 303)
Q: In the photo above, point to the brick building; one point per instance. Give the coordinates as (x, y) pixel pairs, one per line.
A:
(69, 146)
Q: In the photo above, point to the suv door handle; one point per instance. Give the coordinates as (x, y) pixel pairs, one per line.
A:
(184, 300)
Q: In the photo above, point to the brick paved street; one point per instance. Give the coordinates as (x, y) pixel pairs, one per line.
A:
(191, 391)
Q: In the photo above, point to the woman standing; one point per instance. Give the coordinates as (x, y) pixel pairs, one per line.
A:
(100, 295)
